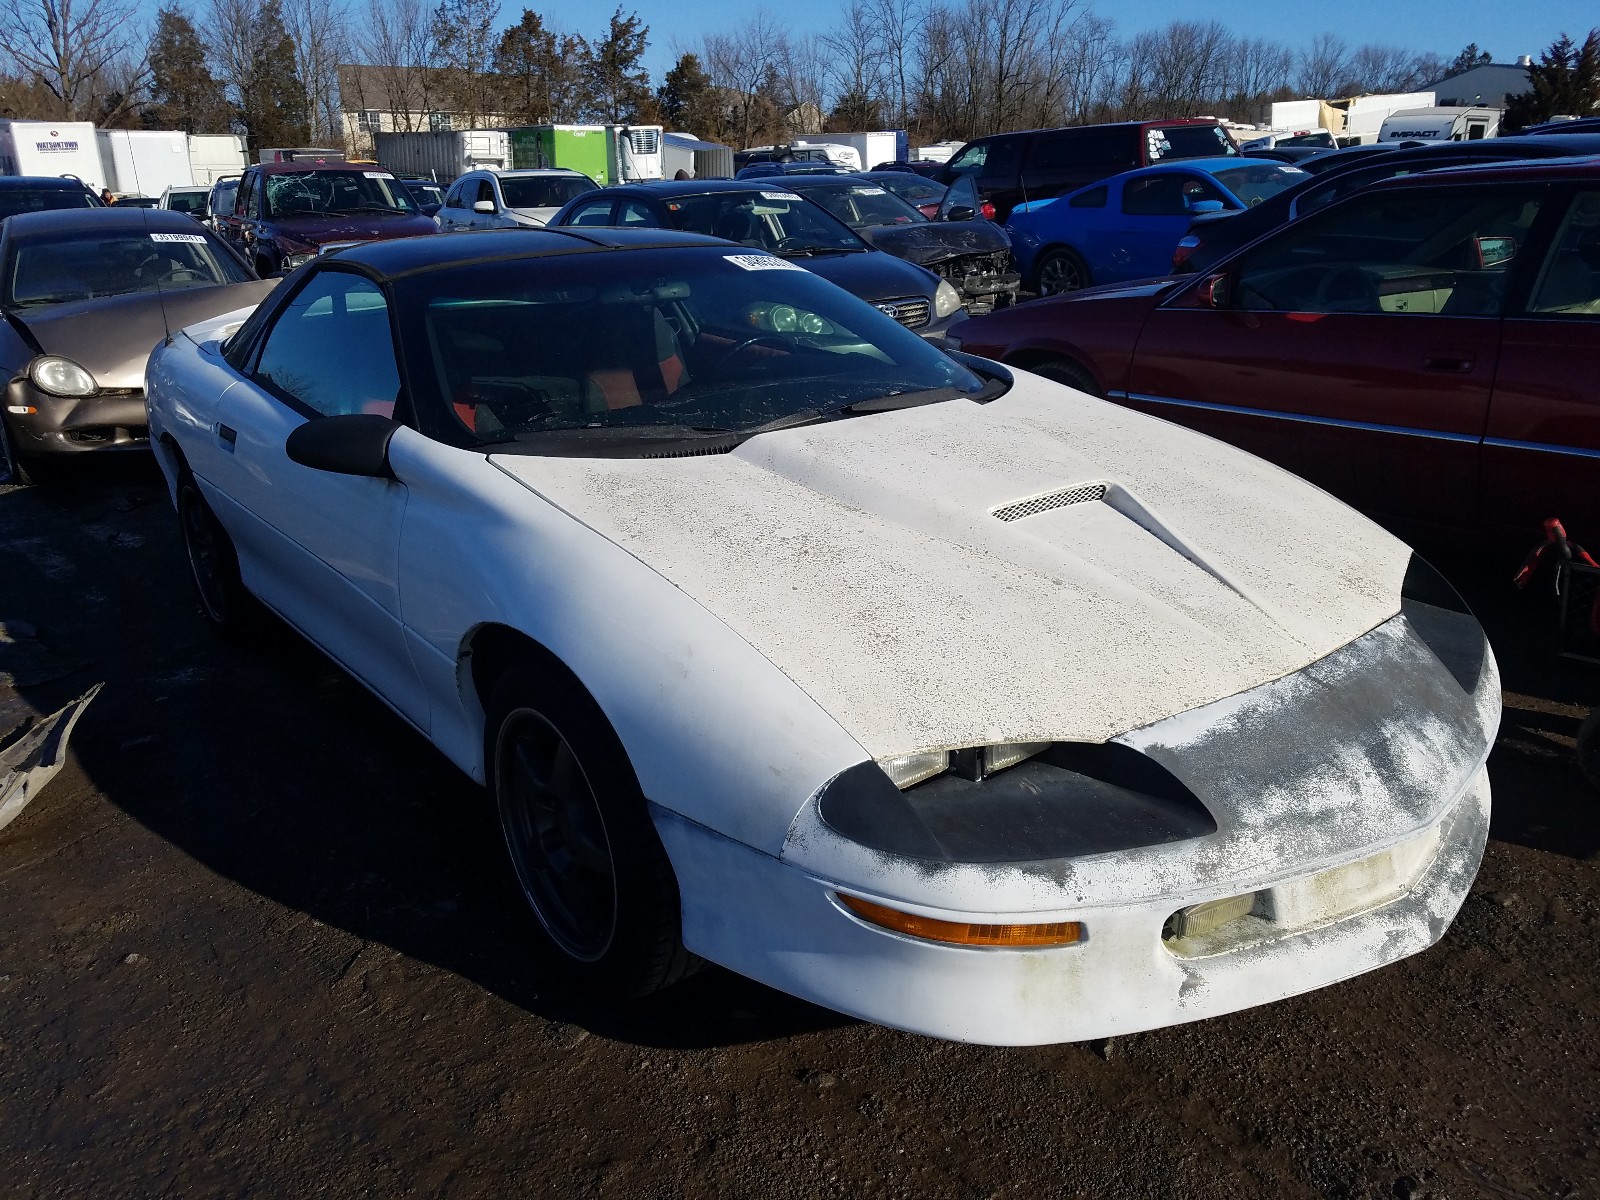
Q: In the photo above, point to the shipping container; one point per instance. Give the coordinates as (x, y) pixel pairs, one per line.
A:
(144, 162)
(443, 155)
(51, 148)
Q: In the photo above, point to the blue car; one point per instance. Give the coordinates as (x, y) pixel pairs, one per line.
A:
(1127, 227)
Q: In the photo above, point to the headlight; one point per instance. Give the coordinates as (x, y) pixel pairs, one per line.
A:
(978, 762)
(291, 261)
(61, 377)
(946, 299)
(910, 769)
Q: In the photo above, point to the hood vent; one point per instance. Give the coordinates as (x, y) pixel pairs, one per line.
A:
(1082, 494)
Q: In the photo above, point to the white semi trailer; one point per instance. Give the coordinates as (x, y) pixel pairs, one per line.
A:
(445, 154)
(51, 148)
(144, 162)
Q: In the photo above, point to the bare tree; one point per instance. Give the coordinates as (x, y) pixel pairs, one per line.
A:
(1323, 66)
(396, 38)
(741, 62)
(85, 53)
(320, 30)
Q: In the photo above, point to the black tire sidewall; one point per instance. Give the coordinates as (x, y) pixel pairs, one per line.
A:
(1060, 255)
(646, 939)
(1064, 371)
(235, 604)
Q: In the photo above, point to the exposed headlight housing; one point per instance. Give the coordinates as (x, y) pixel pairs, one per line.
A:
(977, 762)
(946, 300)
(908, 770)
(61, 377)
(291, 261)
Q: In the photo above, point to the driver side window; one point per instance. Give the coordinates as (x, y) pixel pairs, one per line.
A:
(1443, 251)
(330, 351)
(457, 196)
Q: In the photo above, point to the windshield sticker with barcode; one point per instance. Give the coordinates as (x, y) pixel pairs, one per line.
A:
(867, 191)
(377, 175)
(195, 239)
(779, 196)
(761, 262)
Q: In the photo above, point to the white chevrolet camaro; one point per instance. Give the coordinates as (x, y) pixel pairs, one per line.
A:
(956, 700)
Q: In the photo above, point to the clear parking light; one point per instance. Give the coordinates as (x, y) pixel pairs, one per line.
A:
(964, 933)
(946, 300)
(61, 377)
(1009, 754)
(906, 770)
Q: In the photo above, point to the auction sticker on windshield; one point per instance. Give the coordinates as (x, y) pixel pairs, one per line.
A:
(195, 239)
(779, 196)
(761, 262)
(377, 175)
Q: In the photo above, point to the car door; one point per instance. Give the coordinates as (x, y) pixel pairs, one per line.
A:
(496, 217)
(994, 164)
(1356, 348)
(233, 221)
(1155, 213)
(1541, 457)
(455, 212)
(320, 548)
(594, 211)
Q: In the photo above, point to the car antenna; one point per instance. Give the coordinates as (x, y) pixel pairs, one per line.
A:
(144, 219)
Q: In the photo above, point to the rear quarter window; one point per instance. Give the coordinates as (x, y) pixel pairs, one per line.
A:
(1093, 198)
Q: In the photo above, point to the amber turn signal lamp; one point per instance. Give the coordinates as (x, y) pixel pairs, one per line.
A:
(963, 933)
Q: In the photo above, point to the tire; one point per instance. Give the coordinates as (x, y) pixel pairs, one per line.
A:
(585, 853)
(22, 469)
(1064, 370)
(1589, 748)
(1060, 271)
(231, 611)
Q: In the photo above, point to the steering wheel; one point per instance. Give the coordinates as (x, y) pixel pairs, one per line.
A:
(1343, 285)
(789, 243)
(781, 342)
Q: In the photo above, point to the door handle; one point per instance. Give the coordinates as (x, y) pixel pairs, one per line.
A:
(1456, 364)
(227, 434)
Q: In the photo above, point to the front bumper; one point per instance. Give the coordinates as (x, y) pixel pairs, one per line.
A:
(41, 424)
(787, 929)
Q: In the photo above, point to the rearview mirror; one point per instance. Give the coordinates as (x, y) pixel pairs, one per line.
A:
(1495, 251)
(1213, 291)
(483, 206)
(350, 444)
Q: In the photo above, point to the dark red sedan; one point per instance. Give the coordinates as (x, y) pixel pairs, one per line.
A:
(1427, 350)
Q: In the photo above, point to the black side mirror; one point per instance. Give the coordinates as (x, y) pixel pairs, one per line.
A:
(960, 213)
(351, 444)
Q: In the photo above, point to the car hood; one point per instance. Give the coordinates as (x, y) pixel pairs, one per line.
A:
(871, 276)
(1044, 567)
(350, 227)
(936, 241)
(534, 216)
(112, 337)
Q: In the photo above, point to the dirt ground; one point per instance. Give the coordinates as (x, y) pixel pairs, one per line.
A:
(258, 938)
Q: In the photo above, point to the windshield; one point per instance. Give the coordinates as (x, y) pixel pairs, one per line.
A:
(88, 265)
(1189, 141)
(312, 193)
(424, 192)
(543, 191)
(24, 199)
(914, 188)
(1255, 182)
(859, 205)
(767, 219)
(560, 356)
(225, 193)
(186, 202)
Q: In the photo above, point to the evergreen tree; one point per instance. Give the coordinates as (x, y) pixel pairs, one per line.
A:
(618, 85)
(688, 100)
(272, 106)
(463, 30)
(183, 92)
(1566, 82)
(540, 71)
(1467, 59)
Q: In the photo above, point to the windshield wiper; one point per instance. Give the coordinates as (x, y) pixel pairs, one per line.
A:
(899, 400)
(388, 208)
(808, 251)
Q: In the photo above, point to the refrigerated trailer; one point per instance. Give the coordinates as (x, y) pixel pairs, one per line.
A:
(443, 154)
(213, 155)
(607, 154)
(144, 162)
(51, 148)
(873, 148)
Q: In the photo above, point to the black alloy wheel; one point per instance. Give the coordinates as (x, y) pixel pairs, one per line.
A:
(213, 563)
(556, 835)
(1061, 271)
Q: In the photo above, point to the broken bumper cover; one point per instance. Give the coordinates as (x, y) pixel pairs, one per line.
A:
(1352, 807)
(71, 425)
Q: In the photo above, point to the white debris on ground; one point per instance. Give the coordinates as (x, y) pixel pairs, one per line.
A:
(31, 761)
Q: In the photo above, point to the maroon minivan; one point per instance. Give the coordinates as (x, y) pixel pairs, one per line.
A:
(1011, 168)
(1424, 349)
(285, 212)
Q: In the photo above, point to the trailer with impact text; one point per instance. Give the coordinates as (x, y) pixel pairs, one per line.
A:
(1454, 124)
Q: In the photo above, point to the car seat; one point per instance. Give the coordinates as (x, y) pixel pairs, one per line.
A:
(738, 226)
(1568, 284)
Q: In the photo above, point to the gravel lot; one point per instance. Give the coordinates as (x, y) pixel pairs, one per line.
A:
(259, 939)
